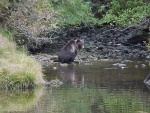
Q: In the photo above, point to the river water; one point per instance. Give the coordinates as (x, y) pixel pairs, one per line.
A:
(91, 87)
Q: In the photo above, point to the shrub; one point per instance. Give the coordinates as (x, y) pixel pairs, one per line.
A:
(74, 12)
(31, 17)
(126, 12)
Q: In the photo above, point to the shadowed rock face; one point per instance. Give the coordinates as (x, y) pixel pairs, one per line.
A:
(104, 43)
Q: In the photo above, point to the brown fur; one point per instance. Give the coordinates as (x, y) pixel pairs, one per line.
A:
(69, 51)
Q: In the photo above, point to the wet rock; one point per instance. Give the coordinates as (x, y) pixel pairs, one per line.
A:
(119, 64)
(77, 61)
(136, 66)
(147, 80)
(65, 64)
(143, 65)
(54, 83)
(148, 56)
(54, 68)
(54, 58)
(44, 59)
(88, 63)
(82, 57)
(88, 49)
(126, 61)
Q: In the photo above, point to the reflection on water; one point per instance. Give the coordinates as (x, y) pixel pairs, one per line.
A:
(103, 87)
(19, 100)
(69, 76)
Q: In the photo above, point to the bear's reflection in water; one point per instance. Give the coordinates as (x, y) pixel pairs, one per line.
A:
(69, 76)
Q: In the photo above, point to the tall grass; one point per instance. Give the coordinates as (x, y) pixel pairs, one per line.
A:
(17, 70)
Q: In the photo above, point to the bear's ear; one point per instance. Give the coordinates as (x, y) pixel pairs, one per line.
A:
(79, 40)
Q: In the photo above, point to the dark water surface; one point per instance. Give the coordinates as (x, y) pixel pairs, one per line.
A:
(95, 87)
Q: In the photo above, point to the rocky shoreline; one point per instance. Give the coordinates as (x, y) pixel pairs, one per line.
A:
(101, 42)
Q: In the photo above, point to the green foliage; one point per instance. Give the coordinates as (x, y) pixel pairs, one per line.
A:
(127, 12)
(34, 17)
(74, 12)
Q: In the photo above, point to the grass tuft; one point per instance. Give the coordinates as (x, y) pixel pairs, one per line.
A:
(17, 70)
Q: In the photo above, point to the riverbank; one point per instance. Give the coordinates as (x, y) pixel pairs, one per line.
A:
(109, 30)
(17, 70)
(101, 43)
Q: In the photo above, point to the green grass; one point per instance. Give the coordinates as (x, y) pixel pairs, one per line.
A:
(17, 70)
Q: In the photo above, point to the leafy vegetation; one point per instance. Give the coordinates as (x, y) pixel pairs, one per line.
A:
(74, 12)
(78, 12)
(127, 12)
(17, 70)
(29, 18)
(33, 17)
